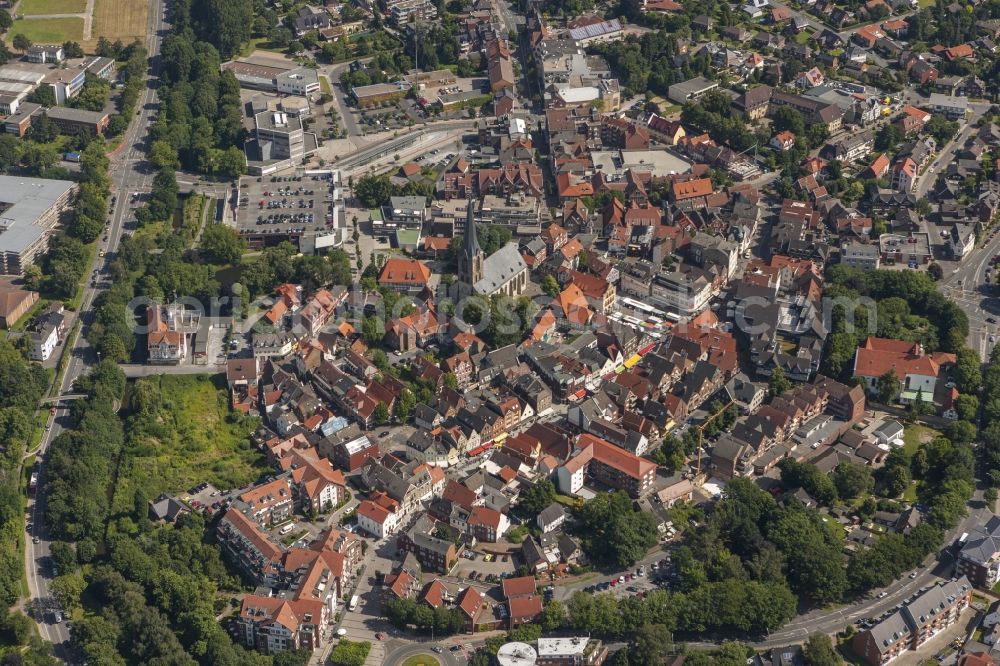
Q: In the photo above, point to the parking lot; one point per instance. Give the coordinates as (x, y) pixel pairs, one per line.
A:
(284, 206)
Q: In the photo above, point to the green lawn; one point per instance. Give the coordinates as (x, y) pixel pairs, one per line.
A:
(803, 37)
(421, 660)
(156, 231)
(916, 434)
(48, 31)
(261, 44)
(31, 7)
(189, 436)
(324, 84)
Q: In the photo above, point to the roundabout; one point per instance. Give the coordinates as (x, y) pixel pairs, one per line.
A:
(419, 654)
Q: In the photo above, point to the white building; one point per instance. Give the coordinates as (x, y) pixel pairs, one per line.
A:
(377, 520)
(860, 255)
(962, 240)
(950, 105)
(44, 337)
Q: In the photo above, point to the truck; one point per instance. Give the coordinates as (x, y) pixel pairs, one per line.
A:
(33, 483)
(353, 606)
(71, 157)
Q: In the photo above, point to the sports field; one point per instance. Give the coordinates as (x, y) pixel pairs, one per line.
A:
(33, 7)
(47, 31)
(120, 19)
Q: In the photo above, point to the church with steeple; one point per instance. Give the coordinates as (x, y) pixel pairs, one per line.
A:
(503, 272)
(470, 260)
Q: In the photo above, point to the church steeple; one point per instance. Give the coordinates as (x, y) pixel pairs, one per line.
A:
(470, 260)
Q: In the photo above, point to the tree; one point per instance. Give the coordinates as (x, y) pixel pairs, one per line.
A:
(72, 49)
(790, 119)
(550, 286)
(613, 531)
(63, 557)
(536, 498)
(372, 330)
(887, 387)
(777, 385)
(990, 494)
(404, 405)
(968, 371)
(651, 645)
(967, 407)
(819, 651)
(553, 616)
(220, 244)
(373, 191)
(852, 480)
(32, 277)
(21, 42)
(381, 414)
(935, 271)
(923, 207)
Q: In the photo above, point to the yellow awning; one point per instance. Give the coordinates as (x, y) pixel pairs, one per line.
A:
(635, 358)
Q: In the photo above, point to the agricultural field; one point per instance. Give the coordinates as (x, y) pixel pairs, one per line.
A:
(120, 19)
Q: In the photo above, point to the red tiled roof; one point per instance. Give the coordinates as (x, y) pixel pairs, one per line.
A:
(523, 608)
(268, 494)
(607, 453)
(373, 512)
(690, 189)
(404, 271)
(518, 587)
(252, 533)
(471, 603)
(484, 516)
(878, 356)
(434, 593)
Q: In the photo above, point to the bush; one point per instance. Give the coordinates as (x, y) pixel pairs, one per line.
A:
(350, 653)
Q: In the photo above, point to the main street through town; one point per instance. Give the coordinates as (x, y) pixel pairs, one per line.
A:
(128, 174)
(967, 283)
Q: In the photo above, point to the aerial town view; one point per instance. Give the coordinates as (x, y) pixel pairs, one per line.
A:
(489, 332)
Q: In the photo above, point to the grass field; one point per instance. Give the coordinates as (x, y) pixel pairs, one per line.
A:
(421, 660)
(48, 31)
(915, 435)
(189, 436)
(260, 44)
(120, 19)
(31, 7)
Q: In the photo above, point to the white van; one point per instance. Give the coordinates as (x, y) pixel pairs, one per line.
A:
(286, 529)
(353, 606)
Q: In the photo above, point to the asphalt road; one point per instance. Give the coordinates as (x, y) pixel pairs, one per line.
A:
(947, 153)
(128, 175)
(966, 286)
(409, 649)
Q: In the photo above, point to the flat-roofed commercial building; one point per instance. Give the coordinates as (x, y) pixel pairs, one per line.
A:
(19, 123)
(378, 93)
(29, 209)
(281, 135)
(290, 80)
(71, 121)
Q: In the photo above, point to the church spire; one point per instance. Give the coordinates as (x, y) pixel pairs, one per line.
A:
(470, 259)
(471, 245)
